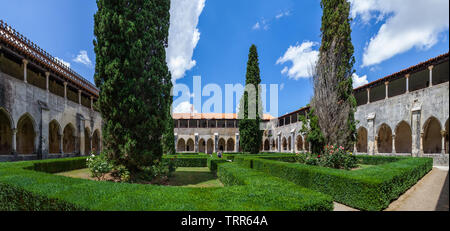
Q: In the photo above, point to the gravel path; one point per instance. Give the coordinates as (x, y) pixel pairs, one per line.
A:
(429, 194)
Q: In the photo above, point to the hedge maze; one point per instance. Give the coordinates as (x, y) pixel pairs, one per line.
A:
(266, 182)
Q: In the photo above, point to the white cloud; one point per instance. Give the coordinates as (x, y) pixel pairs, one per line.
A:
(282, 14)
(303, 59)
(183, 35)
(281, 86)
(415, 24)
(359, 81)
(83, 58)
(63, 62)
(184, 107)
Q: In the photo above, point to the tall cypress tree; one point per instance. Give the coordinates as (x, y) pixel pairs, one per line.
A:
(134, 81)
(250, 107)
(333, 101)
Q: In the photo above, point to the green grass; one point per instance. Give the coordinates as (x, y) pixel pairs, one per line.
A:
(199, 177)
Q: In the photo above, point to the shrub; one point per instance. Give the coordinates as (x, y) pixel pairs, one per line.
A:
(186, 160)
(59, 165)
(366, 189)
(99, 166)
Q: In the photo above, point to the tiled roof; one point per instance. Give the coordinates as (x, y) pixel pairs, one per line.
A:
(212, 116)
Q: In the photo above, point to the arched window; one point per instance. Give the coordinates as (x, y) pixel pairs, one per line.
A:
(210, 146)
(181, 146)
(202, 146)
(230, 145)
(190, 145)
(299, 143)
(266, 145)
(221, 144)
(87, 141)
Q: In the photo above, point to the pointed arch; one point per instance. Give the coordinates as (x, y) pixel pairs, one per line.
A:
(289, 143)
(284, 143)
(87, 141)
(202, 146)
(6, 125)
(69, 138)
(54, 142)
(210, 146)
(299, 143)
(181, 145)
(403, 138)
(221, 144)
(384, 141)
(230, 145)
(432, 138)
(266, 145)
(361, 142)
(26, 135)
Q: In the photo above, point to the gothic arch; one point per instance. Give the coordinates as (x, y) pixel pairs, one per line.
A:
(202, 146)
(87, 141)
(284, 144)
(181, 145)
(221, 144)
(54, 139)
(403, 138)
(230, 145)
(299, 143)
(6, 125)
(384, 141)
(26, 135)
(210, 146)
(96, 142)
(289, 143)
(69, 139)
(432, 139)
(266, 145)
(361, 143)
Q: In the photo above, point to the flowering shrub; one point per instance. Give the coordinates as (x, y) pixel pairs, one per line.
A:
(99, 166)
(331, 157)
(158, 173)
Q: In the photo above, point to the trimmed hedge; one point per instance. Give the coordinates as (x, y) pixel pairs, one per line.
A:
(214, 161)
(23, 188)
(290, 195)
(366, 189)
(188, 161)
(60, 165)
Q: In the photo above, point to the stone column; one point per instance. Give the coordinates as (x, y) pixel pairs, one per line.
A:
(61, 143)
(279, 142)
(443, 133)
(431, 75)
(387, 89)
(236, 145)
(25, 63)
(45, 133)
(292, 142)
(368, 95)
(393, 144)
(79, 140)
(196, 142)
(407, 82)
(216, 141)
(176, 141)
(65, 91)
(13, 143)
(416, 137)
(371, 139)
(303, 144)
(92, 103)
(421, 144)
(79, 97)
(47, 77)
(90, 143)
(375, 145)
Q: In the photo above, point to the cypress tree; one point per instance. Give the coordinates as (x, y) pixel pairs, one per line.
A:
(333, 101)
(134, 81)
(250, 107)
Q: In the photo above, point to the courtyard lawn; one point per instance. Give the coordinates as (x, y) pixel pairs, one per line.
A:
(199, 177)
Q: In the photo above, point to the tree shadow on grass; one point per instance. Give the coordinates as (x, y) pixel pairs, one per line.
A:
(185, 178)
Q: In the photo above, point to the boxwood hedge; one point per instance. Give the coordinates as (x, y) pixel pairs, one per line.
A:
(24, 188)
(371, 188)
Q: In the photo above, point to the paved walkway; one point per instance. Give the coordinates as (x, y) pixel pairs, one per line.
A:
(429, 194)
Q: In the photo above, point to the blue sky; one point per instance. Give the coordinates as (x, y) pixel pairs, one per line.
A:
(211, 38)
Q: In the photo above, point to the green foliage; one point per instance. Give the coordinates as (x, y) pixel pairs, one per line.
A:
(22, 189)
(59, 165)
(158, 173)
(134, 81)
(99, 166)
(366, 189)
(294, 198)
(186, 160)
(331, 157)
(213, 163)
(312, 132)
(250, 134)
